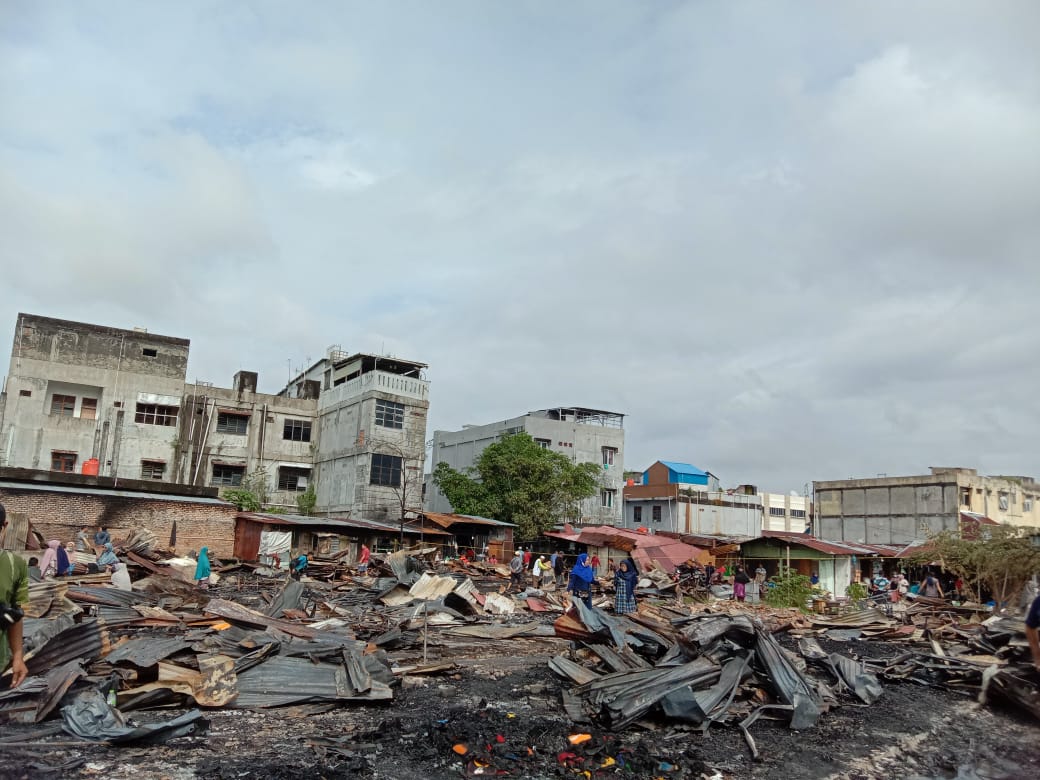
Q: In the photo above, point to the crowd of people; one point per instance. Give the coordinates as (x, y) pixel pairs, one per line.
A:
(60, 559)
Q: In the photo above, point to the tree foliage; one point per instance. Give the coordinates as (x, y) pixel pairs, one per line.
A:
(1001, 562)
(790, 589)
(517, 481)
(306, 501)
(251, 495)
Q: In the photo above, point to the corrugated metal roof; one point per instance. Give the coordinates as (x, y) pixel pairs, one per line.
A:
(665, 550)
(447, 520)
(51, 488)
(684, 468)
(342, 523)
(820, 545)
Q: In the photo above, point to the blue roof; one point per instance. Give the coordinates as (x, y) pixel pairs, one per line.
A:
(684, 468)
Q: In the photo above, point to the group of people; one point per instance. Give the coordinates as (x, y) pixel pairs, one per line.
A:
(552, 569)
(59, 560)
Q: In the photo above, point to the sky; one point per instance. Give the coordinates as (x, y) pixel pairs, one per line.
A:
(790, 241)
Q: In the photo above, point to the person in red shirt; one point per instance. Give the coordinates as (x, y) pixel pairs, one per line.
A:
(527, 560)
(595, 564)
(362, 563)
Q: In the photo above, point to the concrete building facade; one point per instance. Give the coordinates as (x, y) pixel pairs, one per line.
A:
(583, 435)
(900, 510)
(785, 512)
(351, 426)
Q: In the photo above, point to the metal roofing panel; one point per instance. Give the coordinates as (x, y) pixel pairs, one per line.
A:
(684, 468)
(52, 488)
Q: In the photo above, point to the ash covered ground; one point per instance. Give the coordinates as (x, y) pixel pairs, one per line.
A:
(502, 706)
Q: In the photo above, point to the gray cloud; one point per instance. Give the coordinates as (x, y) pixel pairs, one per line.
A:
(789, 242)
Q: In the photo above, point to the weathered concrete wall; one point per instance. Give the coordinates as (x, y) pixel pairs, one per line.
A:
(874, 512)
(59, 515)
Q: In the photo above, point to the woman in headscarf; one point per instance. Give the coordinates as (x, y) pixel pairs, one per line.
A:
(581, 580)
(625, 579)
(70, 554)
(202, 568)
(121, 577)
(55, 562)
(107, 557)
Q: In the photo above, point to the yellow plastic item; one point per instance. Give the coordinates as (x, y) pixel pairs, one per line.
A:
(578, 739)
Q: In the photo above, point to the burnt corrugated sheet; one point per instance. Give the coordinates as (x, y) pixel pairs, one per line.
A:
(281, 681)
(113, 597)
(146, 651)
(86, 642)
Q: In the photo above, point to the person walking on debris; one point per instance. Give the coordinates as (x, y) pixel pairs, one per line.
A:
(558, 568)
(594, 563)
(516, 569)
(363, 558)
(625, 579)
(581, 580)
(740, 581)
(1033, 631)
(930, 587)
(202, 570)
(14, 598)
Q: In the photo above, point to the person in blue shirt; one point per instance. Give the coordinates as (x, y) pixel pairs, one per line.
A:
(814, 579)
(1033, 631)
(581, 580)
(202, 569)
(298, 565)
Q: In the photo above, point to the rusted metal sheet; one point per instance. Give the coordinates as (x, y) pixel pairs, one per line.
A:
(247, 539)
(86, 642)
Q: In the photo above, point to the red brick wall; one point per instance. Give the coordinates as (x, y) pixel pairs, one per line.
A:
(60, 515)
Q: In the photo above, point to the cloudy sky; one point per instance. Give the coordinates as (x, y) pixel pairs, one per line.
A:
(791, 241)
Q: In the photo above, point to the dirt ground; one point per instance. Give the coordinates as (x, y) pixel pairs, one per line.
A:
(503, 706)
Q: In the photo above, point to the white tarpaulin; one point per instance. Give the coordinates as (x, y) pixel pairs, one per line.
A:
(275, 543)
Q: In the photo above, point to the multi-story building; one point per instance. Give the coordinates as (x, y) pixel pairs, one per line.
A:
(785, 512)
(85, 395)
(583, 435)
(371, 439)
(77, 392)
(900, 510)
(681, 498)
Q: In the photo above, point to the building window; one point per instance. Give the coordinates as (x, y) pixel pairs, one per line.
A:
(966, 496)
(88, 409)
(608, 455)
(155, 414)
(227, 476)
(63, 461)
(386, 470)
(1027, 503)
(297, 430)
(1002, 501)
(607, 498)
(25, 393)
(389, 414)
(798, 513)
(777, 511)
(149, 352)
(63, 405)
(543, 443)
(637, 514)
(656, 514)
(152, 469)
(290, 478)
(235, 424)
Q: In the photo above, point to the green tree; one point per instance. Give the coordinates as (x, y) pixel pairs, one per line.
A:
(306, 501)
(515, 480)
(1002, 561)
(251, 495)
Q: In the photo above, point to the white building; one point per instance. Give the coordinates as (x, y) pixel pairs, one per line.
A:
(783, 512)
(583, 435)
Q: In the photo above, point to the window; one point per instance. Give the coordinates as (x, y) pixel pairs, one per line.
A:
(389, 414)
(1002, 500)
(152, 469)
(543, 443)
(293, 479)
(607, 498)
(386, 470)
(1027, 503)
(155, 414)
(966, 496)
(25, 393)
(297, 430)
(777, 511)
(657, 513)
(63, 461)
(235, 424)
(608, 455)
(88, 409)
(149, 352)
(226, 475)
(798, 513)
(63, 405)
(637, 514)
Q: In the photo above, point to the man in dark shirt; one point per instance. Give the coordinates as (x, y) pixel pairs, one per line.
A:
(1033, 631)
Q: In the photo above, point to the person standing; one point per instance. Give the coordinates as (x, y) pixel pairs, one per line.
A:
(581, 580)
(362, 563)
(83, 539)
(930, 587)
(1033, 631)
(740, 581)
(14, 592)
(202, 570)
(625, 579)
(760, 575)
(516, 569)
(594, 563)
(527, 558)
(559, 568)
(102, 536)
(537, 571)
